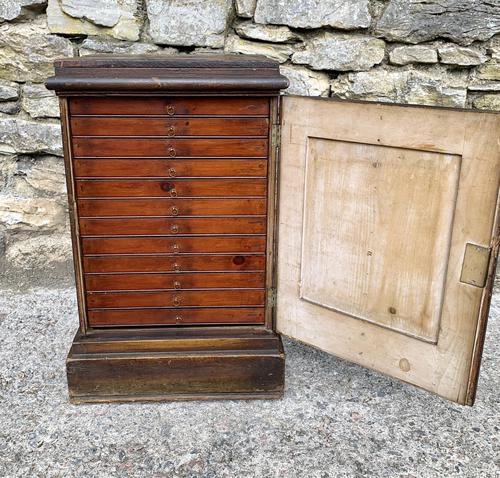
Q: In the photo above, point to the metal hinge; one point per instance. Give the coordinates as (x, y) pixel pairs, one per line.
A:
(271, 297)
(475, 265)
(276, 135)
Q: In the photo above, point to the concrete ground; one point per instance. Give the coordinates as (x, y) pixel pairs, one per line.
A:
(336, 420)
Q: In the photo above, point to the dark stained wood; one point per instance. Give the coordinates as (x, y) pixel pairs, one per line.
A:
(174, 147)
(171, 127)
(176, 263)
(171, 187)
(183, 245)
(180, 298)
(172, 226)
(171, 207)
(169, 107)
(176, 317)
(194, 367)
(170, 168)
(175, 281)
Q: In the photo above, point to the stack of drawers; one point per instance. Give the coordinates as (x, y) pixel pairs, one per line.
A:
(172, 210)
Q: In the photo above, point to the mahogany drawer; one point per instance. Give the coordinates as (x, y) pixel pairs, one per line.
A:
(171, 187)
(184, 298)
(169, 147)
(181, 245)
(171, 226)
(177, 316)
(176, 263)
(171, 207)
(173, 280)
(173, 106)
(170, 168)
(126, 126)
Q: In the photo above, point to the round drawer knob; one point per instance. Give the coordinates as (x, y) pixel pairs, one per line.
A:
(173, 193)
(174, 228)
(176, 300)
(178, 319)
(175, 211)
(175, 247)
(171, 151)
(177, 284)
(170, 110)
(172, 172)
(167, 187)
(176, 267)
(171, 130)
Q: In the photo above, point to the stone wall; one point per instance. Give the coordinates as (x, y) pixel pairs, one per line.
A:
(408, 51)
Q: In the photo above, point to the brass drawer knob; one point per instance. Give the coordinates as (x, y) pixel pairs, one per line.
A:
(176, 267)
(167, 186)
(170, 110)
(178, 319)
(175, 247)
(176, 300)
(177, 284)
(173, 193)
(172, 172)
(174, 228)
(171, 130)
(171, 151)
(175, 211)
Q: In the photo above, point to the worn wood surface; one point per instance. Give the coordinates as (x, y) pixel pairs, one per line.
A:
(187, 365)
(172, 207)
(431, 343)
(170, 107)
(170, 127)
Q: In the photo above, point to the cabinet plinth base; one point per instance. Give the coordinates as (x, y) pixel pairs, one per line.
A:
(187, 364)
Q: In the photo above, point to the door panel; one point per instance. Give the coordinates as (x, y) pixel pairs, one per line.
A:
(378, 204)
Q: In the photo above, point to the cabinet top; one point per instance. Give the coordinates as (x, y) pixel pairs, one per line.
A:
(176, 73)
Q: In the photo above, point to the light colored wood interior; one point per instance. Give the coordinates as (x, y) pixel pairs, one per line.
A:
(377, 204)
(377, 226)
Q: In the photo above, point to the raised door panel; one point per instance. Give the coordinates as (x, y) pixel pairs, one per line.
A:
(382, 209)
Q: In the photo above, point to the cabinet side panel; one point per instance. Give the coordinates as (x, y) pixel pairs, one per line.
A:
(73, 213)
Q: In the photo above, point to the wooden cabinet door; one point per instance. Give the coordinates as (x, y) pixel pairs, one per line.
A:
(388, 236)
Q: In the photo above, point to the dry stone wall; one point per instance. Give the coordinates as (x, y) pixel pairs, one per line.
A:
(444, 52)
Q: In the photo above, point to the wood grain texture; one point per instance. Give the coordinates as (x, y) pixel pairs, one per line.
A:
(165, 168)
(174, 281)
(171, 187)
(180, 298)
(176, 317)
(175, 263)
(174, 147)
(170, 127)
(443, 367)
(189, 365)
(172, 207)
(175, 226)
(170, 107)
(181, 245)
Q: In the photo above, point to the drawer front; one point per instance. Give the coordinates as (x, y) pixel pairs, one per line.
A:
(123, 126)
(171, 207)
(170, 168)
(175, 226)
(174, 106)
(167, 245)
(177, 263)
(171, 188)
(177, 316)
(185, 298)
(155, 147)
(175, 281)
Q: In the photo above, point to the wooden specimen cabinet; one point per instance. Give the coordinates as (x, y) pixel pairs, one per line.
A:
(210, 214)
